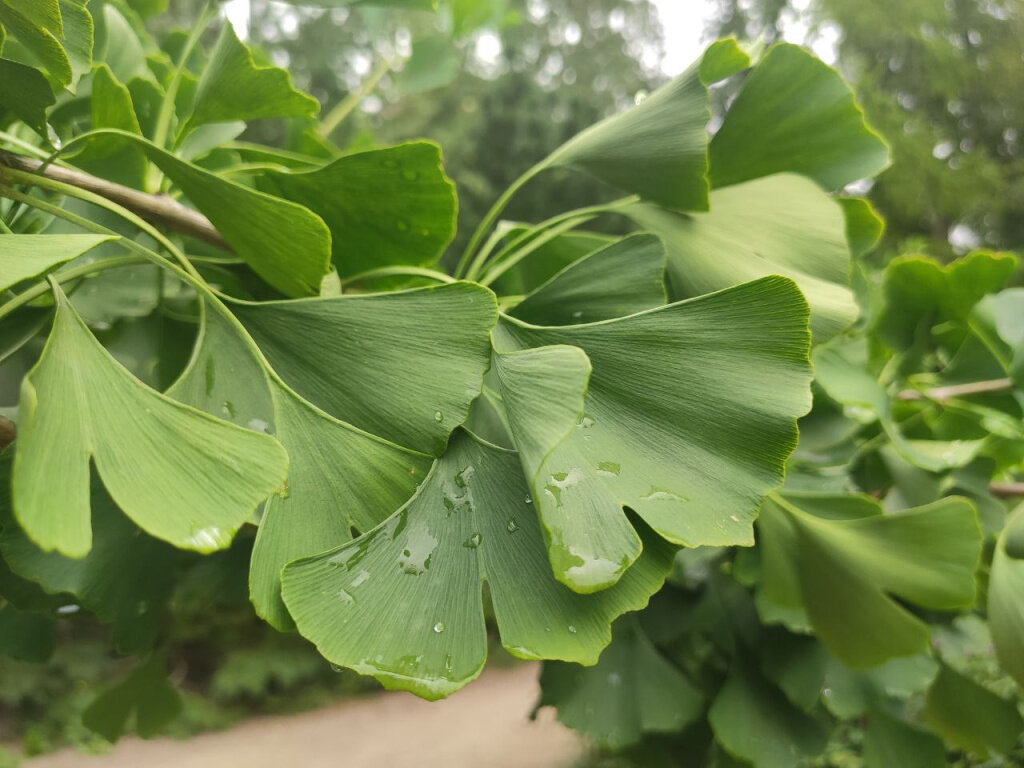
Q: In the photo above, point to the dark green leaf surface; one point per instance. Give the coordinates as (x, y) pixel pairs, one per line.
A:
(404, 604)
(781, 225)
(26, 93)
(753, 721)
(673, 425)
(384, 206)
(145, 693)
(181, 475)
(632, 690)
(622, 279)
(405, 365)
(795, 114)
(26, 636)
(1006, 597)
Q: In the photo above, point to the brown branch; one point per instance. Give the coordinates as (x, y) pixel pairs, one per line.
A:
(941, 394)
(156, 209)
(1007, 490)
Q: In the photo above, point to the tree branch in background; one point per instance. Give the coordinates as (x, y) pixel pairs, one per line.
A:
(941, 394)
(156, 209)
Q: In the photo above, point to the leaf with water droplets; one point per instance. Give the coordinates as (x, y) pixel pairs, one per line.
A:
(670, 424)
(174, 470)
(391, 628)
(387, 363)
(384, 207)
(340, 477)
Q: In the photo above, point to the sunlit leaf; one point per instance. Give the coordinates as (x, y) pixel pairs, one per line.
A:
(673, 425)
(844, 561)
(383, 206)
(339, 477)
(795, 114)
(632, 690)
(233, 87)
(25, 256)
(180, 474)
(404, 602)
(782, 225)
(622, 279)
(405, 366)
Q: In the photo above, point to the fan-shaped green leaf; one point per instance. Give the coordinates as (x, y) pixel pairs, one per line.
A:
(753, 721)
(383, 206)
(674, 425)
(625, 278)
(1006, 597)
(795, 114)
(632, 690)
(921, 293)
(969, 716)
(844, 561)
(339, 477)
(781, 225)
(112, 107)
(547, 260)
(405, 366)
(890, 742)
(658, 149)
(39, 40)
(181, 475)
(434, 63)
(404, 602)
(233, 87)
(25, 256)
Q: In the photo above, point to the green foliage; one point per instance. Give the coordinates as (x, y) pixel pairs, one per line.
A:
(259, 385)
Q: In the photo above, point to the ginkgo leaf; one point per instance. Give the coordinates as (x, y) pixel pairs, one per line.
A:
(43, 43)
(26, 93)
(657, 149)
(41, 13)
(125, 580)
(1006, 597)
(146, 693)
(845, 562)
(632, 690)
(434, 63)
(112, 107)
(405, 366)
(404, 602)
(339, 477)
(971, 717)
(921, 293)
(383, 206)
(286, 244)
(783, 224)
(753, 721)
(547, 260)
(25, 256)
(795, 114)
(673, 425)
(625, 278)
(180, 474)
(233, 87)
(890, 742)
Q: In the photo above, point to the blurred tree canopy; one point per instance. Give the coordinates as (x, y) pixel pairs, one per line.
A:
(943, 82)
(523, 77)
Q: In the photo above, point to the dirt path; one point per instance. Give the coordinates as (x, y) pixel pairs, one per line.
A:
(483, 725)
